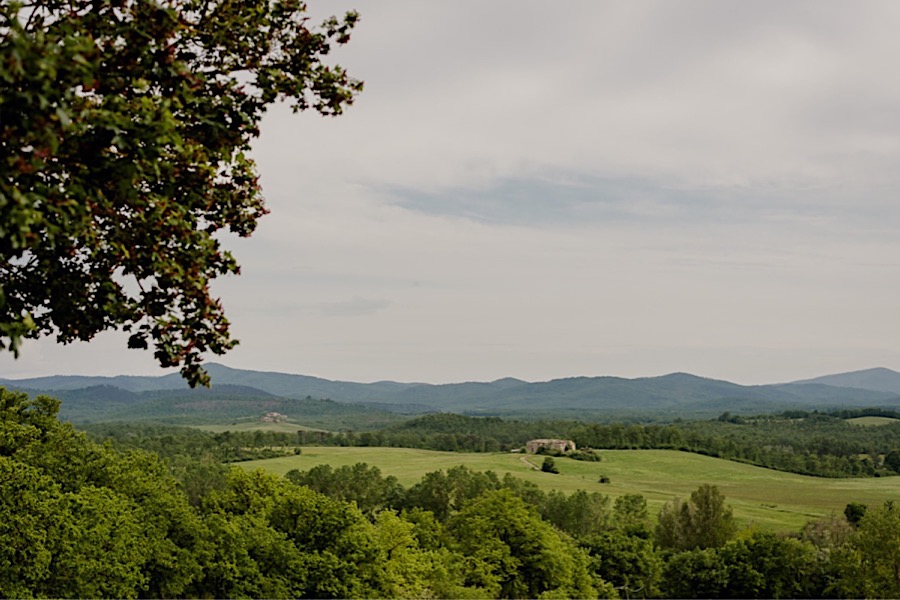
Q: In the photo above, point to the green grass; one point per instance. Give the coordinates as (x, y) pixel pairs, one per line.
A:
(869, 421)
(256, 425)
(760, 497)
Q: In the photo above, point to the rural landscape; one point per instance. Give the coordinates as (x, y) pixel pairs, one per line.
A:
(529, 299)
(258, 487)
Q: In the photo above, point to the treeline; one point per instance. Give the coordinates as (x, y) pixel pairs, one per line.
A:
(80, 519)
(849, 413)
(179, 445)
(814, 444)
(823, 445)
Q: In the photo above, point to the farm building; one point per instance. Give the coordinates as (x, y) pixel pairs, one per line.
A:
(558, 445)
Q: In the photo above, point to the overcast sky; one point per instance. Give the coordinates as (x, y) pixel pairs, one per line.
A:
(543, 190)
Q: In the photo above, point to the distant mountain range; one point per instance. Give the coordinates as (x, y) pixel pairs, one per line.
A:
(877, 380)
(238, 392)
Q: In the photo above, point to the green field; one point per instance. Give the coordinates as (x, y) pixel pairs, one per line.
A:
(869, 421)
(257, 425)
(761, 497)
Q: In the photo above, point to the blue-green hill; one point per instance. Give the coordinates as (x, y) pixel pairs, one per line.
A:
(242, 391)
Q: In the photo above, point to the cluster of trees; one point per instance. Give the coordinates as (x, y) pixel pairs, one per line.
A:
(829, 558)
(185, 445)
(815, 444)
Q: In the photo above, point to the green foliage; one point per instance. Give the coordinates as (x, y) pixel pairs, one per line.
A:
(360, 484)
(766, 565)
(126, 127)
(579, 514)
(28, 512)
(586, 454)
(631, 516)
(816, 444)
(259, 536)
(629, 563)
(827, 535)
(82, 520)
(225, 408)
(711, 520)
(549, 466)
(407, 572)
(450, 432)
(187, 447)
(695, 574)
(104, 547)
(514, 554)
(91, 522)
(703, 522)
(871, 560)
(287, 541)
(445, 493)
(763, 565)
(854, 512)
(892, 460)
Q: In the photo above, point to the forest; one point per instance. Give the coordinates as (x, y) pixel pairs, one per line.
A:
(80, 518)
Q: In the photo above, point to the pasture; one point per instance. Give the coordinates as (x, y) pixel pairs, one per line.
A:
(763, 498)
(871, 421)
(256, 425)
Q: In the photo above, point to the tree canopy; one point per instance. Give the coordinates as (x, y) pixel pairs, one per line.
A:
(124, 132)
(705, 521)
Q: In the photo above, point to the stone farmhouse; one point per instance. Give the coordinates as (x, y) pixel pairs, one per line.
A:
(273, 417)
(550, 444)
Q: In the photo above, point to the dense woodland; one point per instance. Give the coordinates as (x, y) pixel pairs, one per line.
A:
(84, 519)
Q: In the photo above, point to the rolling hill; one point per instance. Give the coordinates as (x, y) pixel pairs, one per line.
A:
(878, 379)
(243, 393)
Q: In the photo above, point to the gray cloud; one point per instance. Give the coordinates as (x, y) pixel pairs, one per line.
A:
(354, 307)
(539, 190)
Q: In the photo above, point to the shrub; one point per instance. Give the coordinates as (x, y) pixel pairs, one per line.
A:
(549, 466)
(588, 454)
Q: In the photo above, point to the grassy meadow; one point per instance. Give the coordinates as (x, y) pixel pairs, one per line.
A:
(760, 497)
(871, 421)
(257, 425)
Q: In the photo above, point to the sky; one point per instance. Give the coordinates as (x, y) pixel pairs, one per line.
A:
(543, 190)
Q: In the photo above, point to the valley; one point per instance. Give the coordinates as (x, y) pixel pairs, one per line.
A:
(762, 498)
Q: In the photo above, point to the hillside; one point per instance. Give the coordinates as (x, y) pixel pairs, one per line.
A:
(222, 404)
(760, 497)
(239, 393)
(879, 379)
